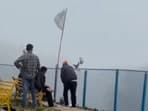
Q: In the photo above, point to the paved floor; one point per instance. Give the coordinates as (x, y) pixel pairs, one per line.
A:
(55, 108)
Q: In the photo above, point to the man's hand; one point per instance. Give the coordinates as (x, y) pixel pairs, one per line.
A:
(49, 89)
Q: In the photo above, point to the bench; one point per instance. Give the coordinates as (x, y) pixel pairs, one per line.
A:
(6, 88)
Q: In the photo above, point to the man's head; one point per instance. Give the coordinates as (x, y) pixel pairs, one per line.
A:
(29, 47)
(65, 62)
(43, 69)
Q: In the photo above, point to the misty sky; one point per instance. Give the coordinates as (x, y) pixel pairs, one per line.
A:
(106, 33)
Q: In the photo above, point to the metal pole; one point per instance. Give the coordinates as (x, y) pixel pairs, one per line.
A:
(57, 65)
(84, 88)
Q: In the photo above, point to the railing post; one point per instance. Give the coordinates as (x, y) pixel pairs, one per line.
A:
(116, 89)
(144, 92)
(55, 82)
(84, 88)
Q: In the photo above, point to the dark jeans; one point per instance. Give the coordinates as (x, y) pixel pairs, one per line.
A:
(49, 97)
(72, 85)
(11, 109)
(28, 85)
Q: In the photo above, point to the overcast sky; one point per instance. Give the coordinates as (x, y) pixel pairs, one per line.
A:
(106, 33)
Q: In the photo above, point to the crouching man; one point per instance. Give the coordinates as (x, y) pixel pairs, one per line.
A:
(40, 85)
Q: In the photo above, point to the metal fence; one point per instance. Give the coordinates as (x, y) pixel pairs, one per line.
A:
(103, 89)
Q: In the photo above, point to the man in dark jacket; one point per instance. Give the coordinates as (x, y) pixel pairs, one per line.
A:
(40, 85)
(69, 79)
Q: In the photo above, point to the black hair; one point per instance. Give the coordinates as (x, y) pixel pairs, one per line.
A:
(29, 47)
(43, 69)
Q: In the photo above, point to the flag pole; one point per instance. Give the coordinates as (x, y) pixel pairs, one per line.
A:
(58, 59)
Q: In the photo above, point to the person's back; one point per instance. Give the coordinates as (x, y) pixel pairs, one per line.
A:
(28, 64)
(68, 73)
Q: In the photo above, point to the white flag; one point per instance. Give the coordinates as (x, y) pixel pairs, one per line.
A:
(60, 19)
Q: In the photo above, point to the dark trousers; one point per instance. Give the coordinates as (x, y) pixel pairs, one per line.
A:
(72, 85)
(11, 109)
(48, 96)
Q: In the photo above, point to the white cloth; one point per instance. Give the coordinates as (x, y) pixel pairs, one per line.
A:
(60, 19)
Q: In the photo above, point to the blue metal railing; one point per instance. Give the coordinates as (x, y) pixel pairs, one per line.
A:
(116, 85)
(116, 90)
(143, 103)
